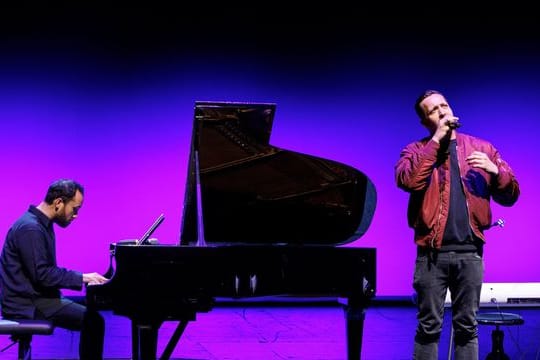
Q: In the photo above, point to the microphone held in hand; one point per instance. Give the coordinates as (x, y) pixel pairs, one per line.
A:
(453, 123)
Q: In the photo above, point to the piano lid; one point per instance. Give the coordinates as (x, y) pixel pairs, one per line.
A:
(242, 190)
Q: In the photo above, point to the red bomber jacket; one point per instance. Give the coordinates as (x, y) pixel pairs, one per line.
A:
(425, 173)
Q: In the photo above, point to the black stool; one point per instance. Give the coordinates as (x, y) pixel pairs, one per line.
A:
(21, 332)
(497, 336)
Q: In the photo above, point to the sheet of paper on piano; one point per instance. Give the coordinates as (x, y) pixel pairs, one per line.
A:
(146, 236)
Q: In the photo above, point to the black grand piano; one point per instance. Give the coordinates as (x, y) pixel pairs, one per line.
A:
(258, 221)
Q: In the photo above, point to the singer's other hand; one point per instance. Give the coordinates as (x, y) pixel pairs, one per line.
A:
(480, 160)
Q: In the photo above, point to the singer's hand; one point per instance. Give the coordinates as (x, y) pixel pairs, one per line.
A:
(444, 128)
(480, 160)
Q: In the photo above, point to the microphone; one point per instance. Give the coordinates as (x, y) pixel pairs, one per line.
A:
(453, 124)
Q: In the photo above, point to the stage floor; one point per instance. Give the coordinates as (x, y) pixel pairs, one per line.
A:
(288, 332)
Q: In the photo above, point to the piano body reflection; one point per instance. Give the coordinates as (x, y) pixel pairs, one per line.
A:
(258, 220)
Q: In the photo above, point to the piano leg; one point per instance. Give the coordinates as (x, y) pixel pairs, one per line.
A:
(144, 340)
(174, 340)
(354, 314)
(134, 341)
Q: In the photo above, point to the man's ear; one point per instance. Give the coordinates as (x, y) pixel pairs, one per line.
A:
(58, 203)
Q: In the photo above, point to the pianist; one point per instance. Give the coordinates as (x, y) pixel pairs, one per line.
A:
(30, 280)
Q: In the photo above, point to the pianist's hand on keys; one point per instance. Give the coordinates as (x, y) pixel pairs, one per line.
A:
(94, 279)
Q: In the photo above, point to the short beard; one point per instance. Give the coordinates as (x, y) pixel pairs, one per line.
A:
(61, 221)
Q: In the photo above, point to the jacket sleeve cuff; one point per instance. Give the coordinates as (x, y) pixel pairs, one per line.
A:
(504, 178)
(432, 148)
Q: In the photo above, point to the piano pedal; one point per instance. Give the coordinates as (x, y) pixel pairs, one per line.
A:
(253, 284)
(236, 285)
(240, 289)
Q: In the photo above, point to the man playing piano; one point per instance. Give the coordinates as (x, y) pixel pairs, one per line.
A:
(30, 280)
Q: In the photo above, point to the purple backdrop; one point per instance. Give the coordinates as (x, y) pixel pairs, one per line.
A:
(119, 121)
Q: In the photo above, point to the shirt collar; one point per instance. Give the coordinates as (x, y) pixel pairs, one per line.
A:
(41, 216)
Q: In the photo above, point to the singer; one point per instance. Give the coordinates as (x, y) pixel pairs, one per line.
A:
(451, 178)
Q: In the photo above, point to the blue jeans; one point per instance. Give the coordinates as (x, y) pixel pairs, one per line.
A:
(435, 273)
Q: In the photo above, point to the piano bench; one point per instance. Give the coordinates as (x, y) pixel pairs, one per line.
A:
(21, 331)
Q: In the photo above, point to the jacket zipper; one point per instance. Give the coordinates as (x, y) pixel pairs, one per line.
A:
(463, 189)
(439, 216)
